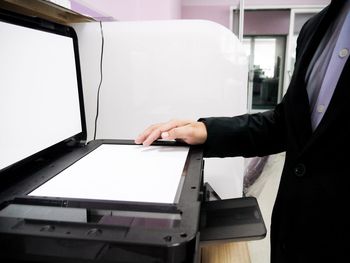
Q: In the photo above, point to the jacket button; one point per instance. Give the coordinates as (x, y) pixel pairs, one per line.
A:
(300, 170)
(284, 246)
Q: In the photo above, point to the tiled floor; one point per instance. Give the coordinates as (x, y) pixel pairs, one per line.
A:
(265, 190)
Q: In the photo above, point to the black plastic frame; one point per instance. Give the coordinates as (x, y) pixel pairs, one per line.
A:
(54, 28)
(174, 243)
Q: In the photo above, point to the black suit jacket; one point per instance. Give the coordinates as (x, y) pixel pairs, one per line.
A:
(308, 221)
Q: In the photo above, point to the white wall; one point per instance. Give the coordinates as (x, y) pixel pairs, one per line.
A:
(155, 71)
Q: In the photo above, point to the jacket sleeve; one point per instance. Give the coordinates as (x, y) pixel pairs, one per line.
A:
(246, 135)
(258, 134)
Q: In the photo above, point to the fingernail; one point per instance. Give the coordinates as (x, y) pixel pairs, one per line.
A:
(165, 135)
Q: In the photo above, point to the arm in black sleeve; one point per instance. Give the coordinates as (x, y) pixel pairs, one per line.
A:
(246, 135)
(256, 134)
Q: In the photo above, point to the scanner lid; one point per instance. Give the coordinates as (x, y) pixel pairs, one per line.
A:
(41, 97)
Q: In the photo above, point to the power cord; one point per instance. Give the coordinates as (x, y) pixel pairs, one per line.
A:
(101, 78)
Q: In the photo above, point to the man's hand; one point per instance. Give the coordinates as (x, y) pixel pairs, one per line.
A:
(191, 132)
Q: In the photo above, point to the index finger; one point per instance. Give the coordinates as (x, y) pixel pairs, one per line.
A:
(154, 131)
(143, 136)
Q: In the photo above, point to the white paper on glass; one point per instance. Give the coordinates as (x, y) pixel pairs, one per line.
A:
(123, 173)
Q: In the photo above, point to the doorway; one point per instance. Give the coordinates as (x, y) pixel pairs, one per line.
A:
(266, 67)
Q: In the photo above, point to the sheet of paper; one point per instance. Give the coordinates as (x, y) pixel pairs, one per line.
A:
(121, 172)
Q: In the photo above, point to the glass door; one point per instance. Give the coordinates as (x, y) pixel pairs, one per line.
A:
(266, 67)
(237, 20)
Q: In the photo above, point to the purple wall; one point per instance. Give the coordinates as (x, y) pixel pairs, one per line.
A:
(219, 14)
(82, 9)
(255, 2)
(262, 22)
(214, 10)
(266, 22)
(286, 2)
(219, 11)
(130, 10)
